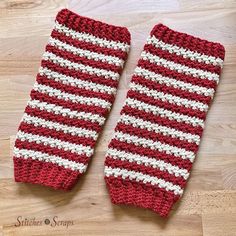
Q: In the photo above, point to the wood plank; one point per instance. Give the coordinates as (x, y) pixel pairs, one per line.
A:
(208, 206)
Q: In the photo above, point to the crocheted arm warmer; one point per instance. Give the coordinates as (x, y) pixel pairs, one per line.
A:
(74, 91)
(158, 134)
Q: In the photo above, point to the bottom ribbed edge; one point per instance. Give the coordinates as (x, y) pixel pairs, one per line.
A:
(148, 197)
(44, 173)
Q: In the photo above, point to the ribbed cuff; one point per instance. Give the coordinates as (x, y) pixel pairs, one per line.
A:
(94, 27)
(188, 42)
(132, 193)
(44, 173)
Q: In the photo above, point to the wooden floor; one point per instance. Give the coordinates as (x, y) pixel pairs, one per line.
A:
(208, 206)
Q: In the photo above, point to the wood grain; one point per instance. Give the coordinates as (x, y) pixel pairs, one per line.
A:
(208, 206)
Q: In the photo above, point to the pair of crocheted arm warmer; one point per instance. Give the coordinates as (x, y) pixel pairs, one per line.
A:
(157, 136)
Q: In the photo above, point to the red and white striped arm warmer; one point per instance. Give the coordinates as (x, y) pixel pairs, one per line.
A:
(158, 134)
(74, 91)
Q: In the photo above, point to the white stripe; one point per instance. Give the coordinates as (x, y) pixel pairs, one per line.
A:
(139, 177)
(155, 145)
(81, 67)
(86, 53)
(186, 53)
(142, 106)
(52, 92)
(67, 146)
(143, 124)
(41, 156)
(72, 130)
(91, 38)
(76, 82)
(174, 83)
(147, 161)
(66, 111)
(179, 67)
(165, 97)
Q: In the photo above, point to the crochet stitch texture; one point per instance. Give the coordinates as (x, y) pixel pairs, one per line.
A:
(75, 89)
(158, 134)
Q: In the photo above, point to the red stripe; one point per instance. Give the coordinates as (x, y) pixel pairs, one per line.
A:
(129, 147)
(176, 75)
(52, 133)
(143, 146)
(143, 133)
(184, 127)
(82, 60)
(50, 116)
(74, 90)
(67, 104)
(171, 90)
(116, 163)
(89, 46)
(94, 27)
(186, 41)
(166, 105)
(181, 60)
(67, 155)
(78, 74)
